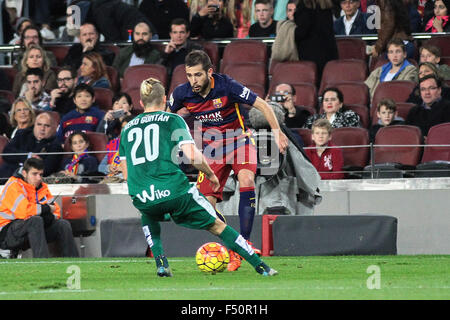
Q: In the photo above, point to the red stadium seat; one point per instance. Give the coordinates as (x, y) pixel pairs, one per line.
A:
(354, 92)
(135, 94)
(398, 90)
(11, 73)
(113, 76)
(247, 73)
(178, 77)
(442, 42)
(306, 94)
(305, 134)
(438, 134)
(355, 159)
(103, 98)
(362, 111)
(212, 49)
(3, 142)
(445, 60)
(244, 51)
(351, 48)
(293, 72)
(60, 51)
(336, 71)
(8, 95)
(133, 76)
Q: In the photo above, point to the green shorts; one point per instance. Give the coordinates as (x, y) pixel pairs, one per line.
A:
(191, 210)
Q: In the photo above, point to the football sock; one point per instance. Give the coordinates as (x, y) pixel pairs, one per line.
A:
(246, 210)
(152, 232)
(234, 241)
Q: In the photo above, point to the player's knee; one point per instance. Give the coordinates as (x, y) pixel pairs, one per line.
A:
(217, 227)
(246, 179)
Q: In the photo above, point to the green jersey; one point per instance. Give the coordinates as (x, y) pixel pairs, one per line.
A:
(150, 144)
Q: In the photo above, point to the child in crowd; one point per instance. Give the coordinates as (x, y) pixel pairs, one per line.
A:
(85, 117)
(328, 161)
(387, 116)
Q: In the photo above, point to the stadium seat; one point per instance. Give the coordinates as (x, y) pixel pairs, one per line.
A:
(133, 76)
(103, 98)
(293, 72)
(351, 48)
(112, 47)
(60, 52)
(398, 90)
(8, 95)
(306, 94)
(436, 160)
(11, 73)
(445, 60)
(402, 109)
(305, 134)
(135, 94)
(362, 111)
(336, 71)
(3, 142)
(212, 49)
(244, 51)
(247, 73)
(355, 159)
(178, 77)
(113, 76)
(258, 89)
(354, 92)
(442, 42)
(391, 162)
(97, 142)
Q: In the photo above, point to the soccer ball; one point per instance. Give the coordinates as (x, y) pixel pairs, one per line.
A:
(212, 257)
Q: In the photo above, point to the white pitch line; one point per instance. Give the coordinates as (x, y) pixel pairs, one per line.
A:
(143, 260)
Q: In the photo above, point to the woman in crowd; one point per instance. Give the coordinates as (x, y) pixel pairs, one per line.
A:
(439, 22)
(21, 116)
(122, 105)
(334, 111)
(93, 71)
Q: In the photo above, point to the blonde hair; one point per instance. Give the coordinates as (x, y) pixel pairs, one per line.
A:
(45, 63)
(152, 92)
(323, 124)
(13, 121)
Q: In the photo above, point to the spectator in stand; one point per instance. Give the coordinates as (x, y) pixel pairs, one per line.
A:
(85, 117)
(81, 163)
(398, 67)
(295, 116)
(30, 218)
(387, 116)
(34, 90)
(395, 23)
(439, 22)
(243, 18)
(291, 7)
(328, 161)
(93, 71)
(162, 12)
(34, 57)
(434, 110)
(21, 116)
(211, 22)
(31, 36)
(32, 142)
(314, 35)
(88, 42)
(21, 24)
(334, 111)
(62, 97)
(431, 53)
(414, 15)
(424, 69)
(265, 26)
(353, 21)
(122, 105)
(141, 52)
(179, 45)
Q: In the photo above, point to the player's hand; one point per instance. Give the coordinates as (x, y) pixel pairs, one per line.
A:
(214, 182)
(281, 140)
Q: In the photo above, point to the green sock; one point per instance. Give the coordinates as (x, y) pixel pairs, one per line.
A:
(234, 241)
(152, 232)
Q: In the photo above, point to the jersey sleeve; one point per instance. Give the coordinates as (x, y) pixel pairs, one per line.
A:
(175, 101)
(240, 93)
(180, 131)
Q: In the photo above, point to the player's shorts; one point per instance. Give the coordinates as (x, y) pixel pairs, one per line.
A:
(191, 210)
(244, 157)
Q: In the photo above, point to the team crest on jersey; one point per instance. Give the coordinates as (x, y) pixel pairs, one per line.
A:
(89, 119)
(217, 103)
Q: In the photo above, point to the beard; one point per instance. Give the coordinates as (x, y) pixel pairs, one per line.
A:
(140, 49)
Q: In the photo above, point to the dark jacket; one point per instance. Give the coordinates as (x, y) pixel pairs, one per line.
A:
(24, 142)
(122, 61)
(207, 28)
(161, 14)
(359, 26)
(314, 36)
(425, 118)
(75, 55)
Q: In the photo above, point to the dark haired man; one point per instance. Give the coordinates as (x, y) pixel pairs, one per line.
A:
(35, 93)
(62, 97)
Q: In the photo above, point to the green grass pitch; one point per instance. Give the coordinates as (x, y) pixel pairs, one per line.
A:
(331, 277)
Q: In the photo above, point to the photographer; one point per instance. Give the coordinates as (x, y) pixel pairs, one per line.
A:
(121, 108)
(295, 117)
(211, 22)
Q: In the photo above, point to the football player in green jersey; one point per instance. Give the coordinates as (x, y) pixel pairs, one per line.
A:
(157, 186)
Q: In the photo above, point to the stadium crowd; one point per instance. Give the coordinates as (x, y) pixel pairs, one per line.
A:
(53, 92)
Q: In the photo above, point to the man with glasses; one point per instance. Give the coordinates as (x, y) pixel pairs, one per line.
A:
(353, 21)
(434, 109)
(62, 97)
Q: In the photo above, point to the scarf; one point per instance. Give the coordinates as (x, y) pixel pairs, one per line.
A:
(113, 153)
(73, 165)
(430, 23)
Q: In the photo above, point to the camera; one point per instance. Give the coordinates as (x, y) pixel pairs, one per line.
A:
(215, 7)
(278, 98)
(118, 114)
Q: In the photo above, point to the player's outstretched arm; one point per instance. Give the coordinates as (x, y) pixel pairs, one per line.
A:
(197, 159)
(280, 138)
